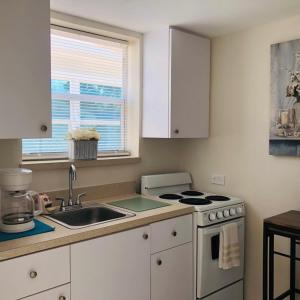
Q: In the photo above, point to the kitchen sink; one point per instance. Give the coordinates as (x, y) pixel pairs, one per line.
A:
(88, 216)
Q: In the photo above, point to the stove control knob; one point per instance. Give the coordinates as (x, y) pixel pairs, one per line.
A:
(232, 211)
(212, 216)
(226, 213)
(220, 215)
(240, 210)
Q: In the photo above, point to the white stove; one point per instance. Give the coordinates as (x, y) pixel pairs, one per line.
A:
(176, 187)
(211, 213)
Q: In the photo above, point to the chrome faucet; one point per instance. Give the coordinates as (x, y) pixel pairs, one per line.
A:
(71, 204)
(72, 177)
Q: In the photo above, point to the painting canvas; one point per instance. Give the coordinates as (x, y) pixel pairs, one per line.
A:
(285, 99)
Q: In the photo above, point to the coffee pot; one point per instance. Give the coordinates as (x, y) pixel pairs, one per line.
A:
(18, 206)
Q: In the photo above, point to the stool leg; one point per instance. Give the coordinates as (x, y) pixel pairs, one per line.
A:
(293, 269)
(271, 266)
(265, 263)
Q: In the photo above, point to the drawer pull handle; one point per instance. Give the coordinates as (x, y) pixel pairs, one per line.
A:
(174, 233)
(62, 298)
(145, 236)
(33, 274)
(159, 262)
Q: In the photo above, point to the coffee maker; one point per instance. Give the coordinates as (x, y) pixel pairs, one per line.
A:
(17, 204)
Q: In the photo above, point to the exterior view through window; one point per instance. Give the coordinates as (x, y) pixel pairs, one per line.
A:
(89, 90)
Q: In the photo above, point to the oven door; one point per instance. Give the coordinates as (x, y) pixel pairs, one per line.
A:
(210, 278)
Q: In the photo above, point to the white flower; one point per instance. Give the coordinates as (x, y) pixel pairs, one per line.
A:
(83, 134)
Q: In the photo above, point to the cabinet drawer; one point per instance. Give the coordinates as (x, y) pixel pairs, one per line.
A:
(170, 233)
(59, 293)
(31, 274)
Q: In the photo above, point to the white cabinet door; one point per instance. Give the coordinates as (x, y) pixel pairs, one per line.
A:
(189, 85)
(112, 267)
(172, 274)
(176, 84)
(59, 293)
(25, 106)
(156, 84)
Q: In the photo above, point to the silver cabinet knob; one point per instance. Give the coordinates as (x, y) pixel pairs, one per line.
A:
(159, 262)
(176, 131)
(44, 128)
(62, 298)
(145, 236)
(33, 274)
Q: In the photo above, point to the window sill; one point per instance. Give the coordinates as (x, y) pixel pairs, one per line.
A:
(65, 164)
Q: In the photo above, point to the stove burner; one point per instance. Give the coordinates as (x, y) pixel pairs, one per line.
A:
(195, 201)
(217, 198)
(170, 196)
(192, 193)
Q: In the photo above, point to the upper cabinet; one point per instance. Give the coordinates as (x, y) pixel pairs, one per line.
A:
(25, 105)
(176, 85)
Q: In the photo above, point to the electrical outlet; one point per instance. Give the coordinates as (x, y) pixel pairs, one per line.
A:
(218, 179)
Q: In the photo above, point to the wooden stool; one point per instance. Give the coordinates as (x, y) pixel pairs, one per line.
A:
(286, 225)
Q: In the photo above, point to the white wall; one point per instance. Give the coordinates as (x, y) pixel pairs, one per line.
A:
(157, 156)
(238, 143)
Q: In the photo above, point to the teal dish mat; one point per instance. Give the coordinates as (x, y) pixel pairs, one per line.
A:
(39, 228)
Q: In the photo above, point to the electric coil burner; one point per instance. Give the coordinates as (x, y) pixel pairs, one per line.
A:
(217, 198)
(192, 193)
(170, 197)
(195, 201)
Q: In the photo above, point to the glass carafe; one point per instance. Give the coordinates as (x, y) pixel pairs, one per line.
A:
(19, 207)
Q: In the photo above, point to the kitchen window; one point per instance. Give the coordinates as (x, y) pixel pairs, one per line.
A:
(89, 75)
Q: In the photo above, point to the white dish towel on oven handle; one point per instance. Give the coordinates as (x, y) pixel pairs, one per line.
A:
(229, 249)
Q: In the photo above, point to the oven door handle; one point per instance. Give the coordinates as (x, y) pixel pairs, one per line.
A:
(213, 231)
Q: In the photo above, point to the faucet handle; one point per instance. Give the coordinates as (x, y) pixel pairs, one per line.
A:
(63, 204)
(78, 200)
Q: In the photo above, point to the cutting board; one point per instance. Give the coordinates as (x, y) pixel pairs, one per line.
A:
(139, 204)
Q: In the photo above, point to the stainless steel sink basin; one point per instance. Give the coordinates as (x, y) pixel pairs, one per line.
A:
(88, 216)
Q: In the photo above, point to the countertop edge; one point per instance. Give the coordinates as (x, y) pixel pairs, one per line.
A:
(91, 233)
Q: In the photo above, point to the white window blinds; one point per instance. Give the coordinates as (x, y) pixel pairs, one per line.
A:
(89, 90)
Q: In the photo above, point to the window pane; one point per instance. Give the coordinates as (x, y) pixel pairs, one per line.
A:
(57, 144)
(89, 89)
(100, 90)
(60, 109)
(110, 137)
(60, 86)
(99, 111)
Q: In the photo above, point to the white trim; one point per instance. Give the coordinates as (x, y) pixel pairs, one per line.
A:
(83, 24)
(64, 155)
(87, 34)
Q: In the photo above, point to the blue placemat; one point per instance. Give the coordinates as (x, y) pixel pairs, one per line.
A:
(39, 228)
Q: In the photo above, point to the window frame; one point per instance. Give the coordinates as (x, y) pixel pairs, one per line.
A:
(90, 98)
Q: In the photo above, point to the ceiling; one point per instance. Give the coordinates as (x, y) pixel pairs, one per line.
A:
(208, 17)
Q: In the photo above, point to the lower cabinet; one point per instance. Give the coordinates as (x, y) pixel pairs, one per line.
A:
(172, 274)
(151, 262)
(59, 293)
(34, 273)
(112, 267)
